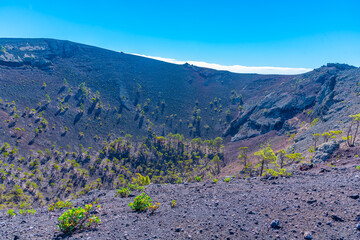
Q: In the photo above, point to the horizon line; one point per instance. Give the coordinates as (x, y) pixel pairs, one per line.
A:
(234, 68)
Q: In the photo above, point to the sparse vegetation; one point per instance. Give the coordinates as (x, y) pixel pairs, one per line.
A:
(154, 207)
(315, 138)
(280, 172)
(141, 180)
(60, 205)
(123, 192)
(314, 122)
(78, 218)
(11, 213)
(173, 203)
(243, 156)
(350, 139)
(27, 211)
(141, 203)
(266, 156)
(174, 142)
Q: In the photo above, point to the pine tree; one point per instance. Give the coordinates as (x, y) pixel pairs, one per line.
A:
(267, 156)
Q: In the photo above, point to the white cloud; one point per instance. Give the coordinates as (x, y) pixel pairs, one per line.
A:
(235, 68)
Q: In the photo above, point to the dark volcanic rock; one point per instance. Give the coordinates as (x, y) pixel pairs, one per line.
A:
(269, 114)
(324, 152)
(275, 223)
(340, 66)
(306, 166)
(35, 53)
(337, 218)
(354, 196)
(196, 216)
(307, 236)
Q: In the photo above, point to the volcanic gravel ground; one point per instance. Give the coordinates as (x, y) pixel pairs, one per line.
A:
(322, 204)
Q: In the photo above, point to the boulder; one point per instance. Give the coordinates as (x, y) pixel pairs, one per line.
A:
(325, 151)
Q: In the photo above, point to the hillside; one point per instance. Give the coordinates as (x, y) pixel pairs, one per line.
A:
(236, 151)
(306, 205)
(319, 102)
(75, 118)
(108, 93)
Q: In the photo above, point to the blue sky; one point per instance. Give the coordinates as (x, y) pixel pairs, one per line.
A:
(293, 34)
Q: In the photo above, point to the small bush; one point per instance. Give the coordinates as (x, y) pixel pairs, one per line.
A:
(282, 172)
(123, 192)
(215, 180)
(331, 165)
(141, 202)
(27, 211)
(141, 180)
(173, 203)
(140, 188)
(78, 218)
(227, 179)
(198, 178)
(60, 205)
(154, 207)
(314, 122)
(11, 213)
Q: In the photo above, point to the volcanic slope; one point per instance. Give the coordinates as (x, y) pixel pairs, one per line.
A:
(322, 202)
(87, 95)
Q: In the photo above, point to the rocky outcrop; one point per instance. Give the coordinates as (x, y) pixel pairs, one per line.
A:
(37, 54)
(322, 91)
(325, 151)
(271, 113)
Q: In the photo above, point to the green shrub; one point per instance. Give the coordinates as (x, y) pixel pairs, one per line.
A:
(77, 218)
(11, 213)
(123, 192)
(227, 179)
(27, 211)
(198, 178)
(154, 207)
(215, 180)
(141, 202)
(141, 180)
(314, 122)
(312, 149)
(282, 172)
(131, 187)
(173, 203)
(60, 205)
(140, 188)
(331, 165)
(24, 205)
